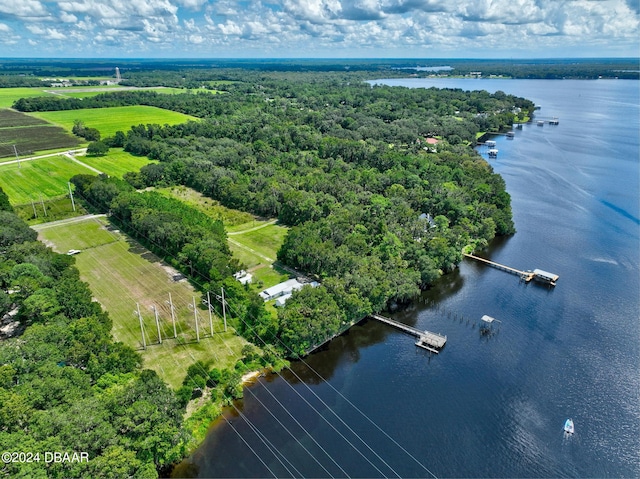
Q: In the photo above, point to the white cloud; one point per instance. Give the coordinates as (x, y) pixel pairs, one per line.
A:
(46, 33)
(36, 29)
(23, 8)
(196, 39)
(68, 17)
(192, 4)
(316, 11)
(329, 27)
(4, 28)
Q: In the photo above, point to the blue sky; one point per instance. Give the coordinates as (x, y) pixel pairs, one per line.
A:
(319, 28)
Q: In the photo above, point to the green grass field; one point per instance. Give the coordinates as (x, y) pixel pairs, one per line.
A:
(265, 240)
(51, 210)
(117, 162)
(233, 219)
(10, 95)
(43, 178)
(257, 248)
(122, 273)
(110, 120)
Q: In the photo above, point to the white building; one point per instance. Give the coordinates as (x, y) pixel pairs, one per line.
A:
(280, 289)
(284, 290)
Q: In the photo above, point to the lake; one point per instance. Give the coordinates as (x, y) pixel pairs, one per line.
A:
(371, 404)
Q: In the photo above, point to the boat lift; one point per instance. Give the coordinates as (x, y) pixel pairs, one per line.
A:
(487, 324)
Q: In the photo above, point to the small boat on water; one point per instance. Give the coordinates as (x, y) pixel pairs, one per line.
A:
(568, 426)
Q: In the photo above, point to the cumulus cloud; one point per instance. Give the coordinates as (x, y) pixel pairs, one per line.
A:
(24, 8)
(330, 27)
(68, 17)
(192, 4)
(46, 33)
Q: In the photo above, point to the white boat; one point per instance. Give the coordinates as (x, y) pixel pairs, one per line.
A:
(568, 426)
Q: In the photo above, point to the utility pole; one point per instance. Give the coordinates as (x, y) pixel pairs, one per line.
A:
(33, 205)
(155, 312)
(209, 308)
(173, 317)
(224, 310)
(43, 207)
(17, 156)
(195, 315)
(144, 341)
(73, 203)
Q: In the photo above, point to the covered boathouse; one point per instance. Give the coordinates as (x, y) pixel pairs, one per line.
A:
(545, 277)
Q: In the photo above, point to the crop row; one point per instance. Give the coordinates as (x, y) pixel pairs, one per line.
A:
(28, 139)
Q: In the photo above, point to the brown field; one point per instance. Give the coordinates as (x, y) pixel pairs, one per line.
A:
(12, 118)
(30, 134)
(28, 139)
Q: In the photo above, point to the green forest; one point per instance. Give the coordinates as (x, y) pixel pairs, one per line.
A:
(378, 212)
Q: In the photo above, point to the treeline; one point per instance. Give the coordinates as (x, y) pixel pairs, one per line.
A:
(550, 69)
(327, 102)
(65, 385)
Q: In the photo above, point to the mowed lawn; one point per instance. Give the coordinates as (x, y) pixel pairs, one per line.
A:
(110, 120)
(116, 163)
(256, 247)
(38, 179)
(121, 274)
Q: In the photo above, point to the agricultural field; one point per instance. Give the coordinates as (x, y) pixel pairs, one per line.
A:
(43, 178)
(10, 95)
(110, 120)
(122, 273)
(29, 134)
(117, 162)
(14, 119)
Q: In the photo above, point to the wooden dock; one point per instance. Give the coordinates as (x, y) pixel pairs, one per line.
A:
(524, 275)
(427, 340)
(537, 274)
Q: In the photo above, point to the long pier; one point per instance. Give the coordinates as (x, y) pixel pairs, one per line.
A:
(430, 341)
(524, 275)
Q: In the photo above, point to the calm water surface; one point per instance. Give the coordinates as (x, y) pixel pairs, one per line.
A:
(486, 406)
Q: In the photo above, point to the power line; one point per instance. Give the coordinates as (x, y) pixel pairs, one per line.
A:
(319, 376)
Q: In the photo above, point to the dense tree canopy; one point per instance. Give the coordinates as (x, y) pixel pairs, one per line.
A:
(65, 385)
